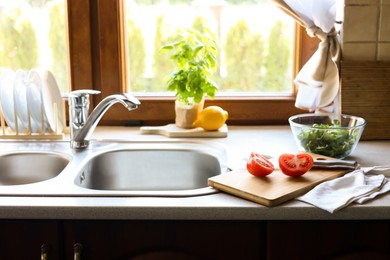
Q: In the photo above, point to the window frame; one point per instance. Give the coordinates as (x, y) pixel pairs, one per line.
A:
(97, 61)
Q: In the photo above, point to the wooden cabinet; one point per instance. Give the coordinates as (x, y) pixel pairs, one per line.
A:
(137, 240)
(328, 240)
(144, 240)
(23, 239)
(165, 239)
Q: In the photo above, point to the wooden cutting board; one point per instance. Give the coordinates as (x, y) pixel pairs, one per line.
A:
(273, 189)
(171, 130)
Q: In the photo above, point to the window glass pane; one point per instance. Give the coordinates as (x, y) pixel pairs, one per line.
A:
(33, 35)
(257, 41)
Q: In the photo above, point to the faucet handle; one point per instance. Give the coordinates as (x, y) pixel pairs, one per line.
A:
(80, 98)
(83, 92)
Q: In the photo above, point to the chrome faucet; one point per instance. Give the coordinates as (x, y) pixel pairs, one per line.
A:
(81, 125)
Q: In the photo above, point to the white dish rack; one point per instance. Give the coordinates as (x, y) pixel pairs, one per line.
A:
(7, 133)
(31, 105)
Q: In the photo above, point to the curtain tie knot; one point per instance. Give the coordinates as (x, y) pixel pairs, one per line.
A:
(315, 31)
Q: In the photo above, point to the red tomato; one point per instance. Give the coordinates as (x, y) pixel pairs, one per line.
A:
(259, 165)
(295, 165)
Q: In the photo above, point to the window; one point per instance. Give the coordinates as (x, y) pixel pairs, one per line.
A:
(97, 60)
(256, 37)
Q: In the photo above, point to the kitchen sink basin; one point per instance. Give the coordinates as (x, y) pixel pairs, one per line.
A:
(30, 167)
(149, 170)
(163, 169)
(110, 168)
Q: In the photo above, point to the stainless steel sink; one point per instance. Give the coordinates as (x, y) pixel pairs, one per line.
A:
(149, 170)
(110, 168)
(153, 169)
(30, 167)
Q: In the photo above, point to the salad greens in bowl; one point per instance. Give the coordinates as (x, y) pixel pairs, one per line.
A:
(327, 134)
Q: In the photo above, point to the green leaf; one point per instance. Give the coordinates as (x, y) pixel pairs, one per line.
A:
(166, 48)
(197, 49)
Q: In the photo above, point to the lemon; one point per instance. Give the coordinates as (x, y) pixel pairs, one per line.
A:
(211, 118)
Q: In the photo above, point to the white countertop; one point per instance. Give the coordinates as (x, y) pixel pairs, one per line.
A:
(271, 140)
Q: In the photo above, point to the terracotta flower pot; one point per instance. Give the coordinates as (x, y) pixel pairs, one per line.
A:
(186, 115)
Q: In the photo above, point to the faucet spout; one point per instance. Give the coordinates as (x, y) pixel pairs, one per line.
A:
(82, 125)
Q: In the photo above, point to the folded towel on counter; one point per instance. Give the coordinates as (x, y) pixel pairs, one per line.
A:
(358, 186)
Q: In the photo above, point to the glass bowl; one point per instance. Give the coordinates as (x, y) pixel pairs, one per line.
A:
(327, 134)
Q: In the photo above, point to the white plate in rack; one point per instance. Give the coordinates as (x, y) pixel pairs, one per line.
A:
(7, 97)
(52, 101)
(20, 100)
(39, 121)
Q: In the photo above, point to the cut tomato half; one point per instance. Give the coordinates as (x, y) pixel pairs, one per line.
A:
(295, 164)
(258, 165)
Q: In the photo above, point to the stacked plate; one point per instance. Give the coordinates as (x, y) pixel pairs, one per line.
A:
(31, 101)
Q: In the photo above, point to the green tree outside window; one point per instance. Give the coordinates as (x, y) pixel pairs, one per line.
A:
(137, 55)
(244, 52)
(58, 44)
(277, 77)
(18, 42)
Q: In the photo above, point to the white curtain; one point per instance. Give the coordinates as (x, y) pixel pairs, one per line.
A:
(318, 81)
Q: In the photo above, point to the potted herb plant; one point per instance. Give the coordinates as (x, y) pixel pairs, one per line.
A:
(195, 56)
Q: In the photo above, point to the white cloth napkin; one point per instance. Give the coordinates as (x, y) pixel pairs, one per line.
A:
(357, 186)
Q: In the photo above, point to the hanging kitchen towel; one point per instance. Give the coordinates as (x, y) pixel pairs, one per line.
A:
(356, 186)
(318, 81)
